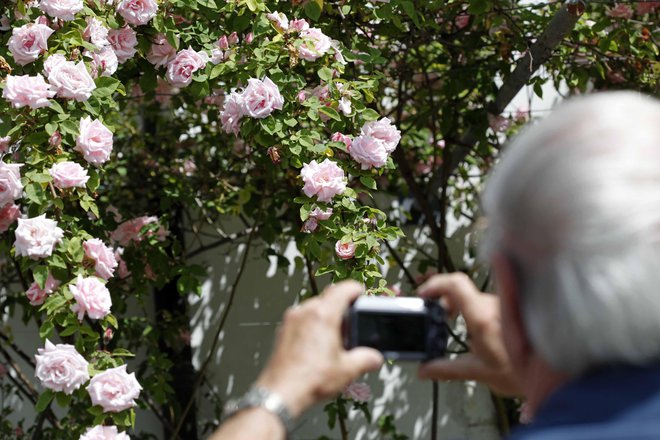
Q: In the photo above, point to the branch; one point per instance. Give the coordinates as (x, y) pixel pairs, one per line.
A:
(220, 242)
(539, 53)
(207, 361)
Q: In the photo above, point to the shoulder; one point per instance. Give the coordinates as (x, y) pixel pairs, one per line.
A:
(649, 430)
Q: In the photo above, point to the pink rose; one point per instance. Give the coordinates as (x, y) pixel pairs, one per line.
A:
(339, 137)
(324, 180)
(28, 42)
(25, 90)
(357, 391)
(5, 143)
(94, 141)
(646, 7)
(92, 297)
(232, 39)
(103, 256)
(55, 139)
(104, 61)
(62, 9)
(498, 123)
(621, 10)
(231, 115)
(249, 37)
(70, 80)
(462, 20)
(321, 214)
(260, 98)
(345, 251)
(68, 175)
(301, 96)
(5, 24)
(131, 230)
(9, 213)
(164, 92)
(53, 62)
(137, 12)
(161, 51)
(114, 389)
(315, 44)
(60, 367)
(180, 70)
(369, 152)
(321, 92)
(123, 42)
(37, 295)
(37, 237)
(298, 25)
(345, 106)
(339, 57)
(104, 433)
(279, 20)
(96, 33)
(11, 187)
(383, 130)
(223, 43)
(310, 225)
(122, 269)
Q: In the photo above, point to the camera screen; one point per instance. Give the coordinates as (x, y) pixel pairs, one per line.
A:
(391, 332)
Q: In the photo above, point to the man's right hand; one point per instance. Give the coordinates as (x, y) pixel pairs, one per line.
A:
(488, 361)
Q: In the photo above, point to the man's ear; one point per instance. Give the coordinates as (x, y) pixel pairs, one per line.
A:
(513, 326)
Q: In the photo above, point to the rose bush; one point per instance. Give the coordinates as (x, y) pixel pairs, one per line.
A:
(126, 126)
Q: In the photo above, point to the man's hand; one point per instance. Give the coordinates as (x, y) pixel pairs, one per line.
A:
(309, 363)
(488, 361)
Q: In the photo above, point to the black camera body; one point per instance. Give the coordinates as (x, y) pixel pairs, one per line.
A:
(402, 328)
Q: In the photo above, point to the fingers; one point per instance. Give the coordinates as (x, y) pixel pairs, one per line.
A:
(465, 367)
(361, 360)
(457, 290)
(337, 297)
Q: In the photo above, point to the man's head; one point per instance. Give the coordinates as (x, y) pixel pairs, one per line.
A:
(574, 218)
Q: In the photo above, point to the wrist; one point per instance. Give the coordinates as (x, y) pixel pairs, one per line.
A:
(293, 394)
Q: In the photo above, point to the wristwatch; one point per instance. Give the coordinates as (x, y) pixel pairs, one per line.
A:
(259, 397)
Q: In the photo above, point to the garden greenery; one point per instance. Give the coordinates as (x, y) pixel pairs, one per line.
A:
(126, 125)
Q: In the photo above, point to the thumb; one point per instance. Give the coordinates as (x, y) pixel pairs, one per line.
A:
(361, 360)
(465, 367)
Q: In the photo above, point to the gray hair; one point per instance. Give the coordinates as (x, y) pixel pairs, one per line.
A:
(574, 204)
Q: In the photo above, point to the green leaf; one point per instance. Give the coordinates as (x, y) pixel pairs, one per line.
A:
(69, 330)
(35, 193)
(40, 274)
(368, 182)
(325, 74)
(370, 115)
(313, 9)
(44, 400)
(105, 86)
(304, 212)
(330, 112)
(41, 177)
(46, 329)
(63, 400)
(122, 352)
(478, 7)
(409, 9)
(70, 126)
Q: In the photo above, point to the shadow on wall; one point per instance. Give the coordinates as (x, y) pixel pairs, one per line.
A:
(466, 410)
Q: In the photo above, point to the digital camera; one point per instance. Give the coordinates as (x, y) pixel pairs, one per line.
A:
(401, 328)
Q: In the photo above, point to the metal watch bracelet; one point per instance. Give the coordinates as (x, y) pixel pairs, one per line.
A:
(259, 397)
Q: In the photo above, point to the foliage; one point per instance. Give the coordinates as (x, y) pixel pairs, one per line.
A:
(432, 67)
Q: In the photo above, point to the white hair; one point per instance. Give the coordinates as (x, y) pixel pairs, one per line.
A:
(574, 204)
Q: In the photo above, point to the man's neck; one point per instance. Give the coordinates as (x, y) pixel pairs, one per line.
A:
(541, 380)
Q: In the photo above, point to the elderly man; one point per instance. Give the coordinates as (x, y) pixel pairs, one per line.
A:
(574, 241)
